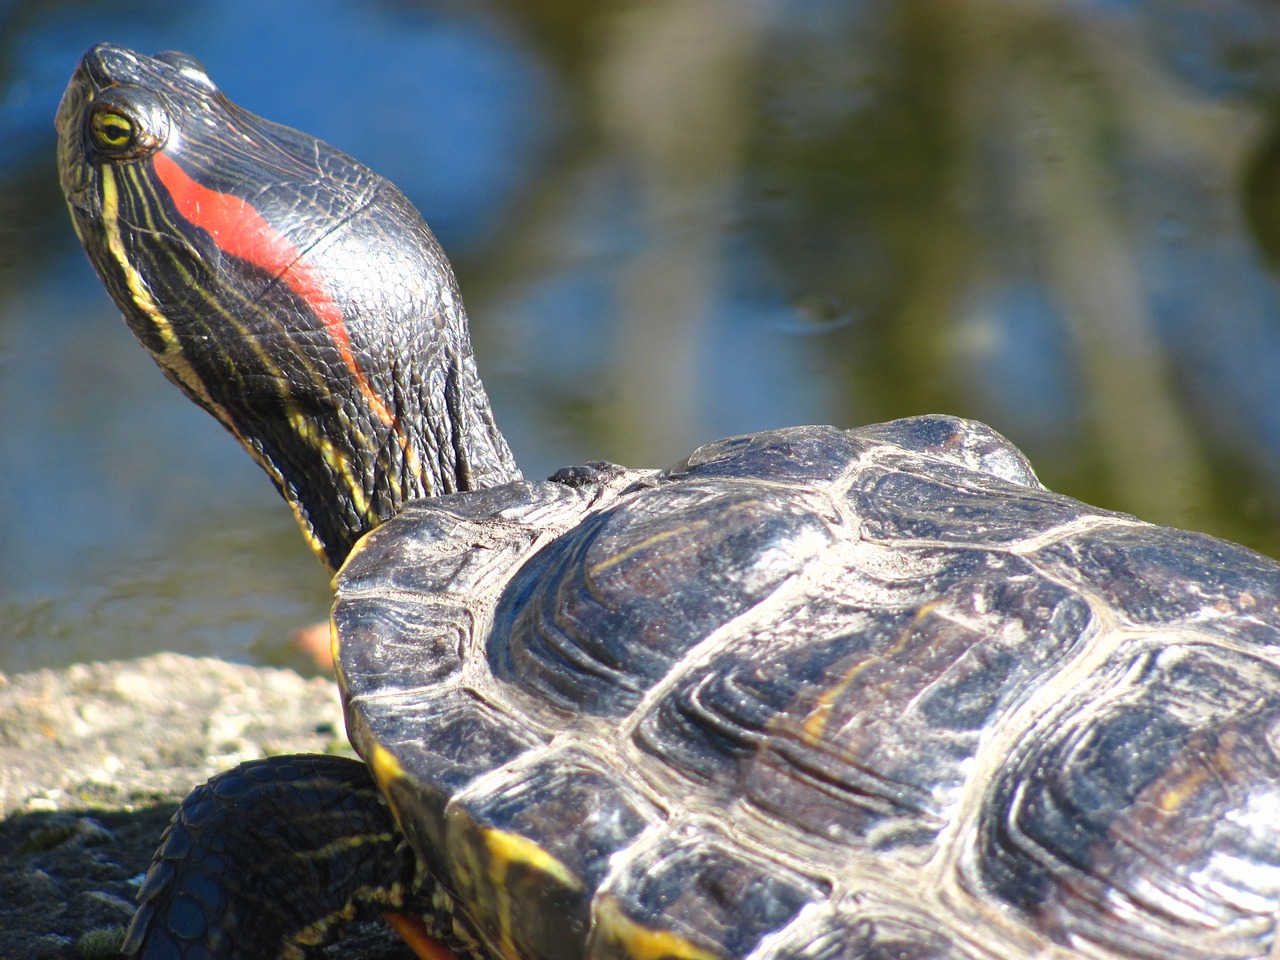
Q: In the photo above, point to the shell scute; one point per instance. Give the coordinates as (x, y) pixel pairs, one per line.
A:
(1144, 806)
(797, 456)
(869, 928)
(952, 505)
(1158, 576)
(970, 445)
(442, 740)
(696, 897)
(409, 588)
(851, 716)
(596, 618)
(461, 544)
(390, 643)
(529, 848)
(877, 754)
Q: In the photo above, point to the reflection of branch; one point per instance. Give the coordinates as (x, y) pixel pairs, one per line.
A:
(1150, 453)
(674, 88)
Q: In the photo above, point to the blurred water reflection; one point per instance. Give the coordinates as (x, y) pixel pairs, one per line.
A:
(673, 221)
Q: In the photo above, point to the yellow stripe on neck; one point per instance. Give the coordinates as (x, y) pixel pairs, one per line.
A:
(174, 360)
(311, 434)
(172, 357)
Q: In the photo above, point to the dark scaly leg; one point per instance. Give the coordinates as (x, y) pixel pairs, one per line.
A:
(268, 860)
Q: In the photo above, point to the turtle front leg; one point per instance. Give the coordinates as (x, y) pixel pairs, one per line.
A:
(269, 860)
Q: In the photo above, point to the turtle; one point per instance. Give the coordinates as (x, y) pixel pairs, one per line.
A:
(808, 694)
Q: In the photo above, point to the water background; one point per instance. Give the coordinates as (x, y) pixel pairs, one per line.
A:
(675, 220)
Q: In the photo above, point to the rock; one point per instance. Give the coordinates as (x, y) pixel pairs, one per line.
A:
(93, 761)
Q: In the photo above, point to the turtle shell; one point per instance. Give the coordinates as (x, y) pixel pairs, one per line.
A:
(823, 693)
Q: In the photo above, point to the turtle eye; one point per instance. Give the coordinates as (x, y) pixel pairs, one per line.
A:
(126, 123)
(112, 132)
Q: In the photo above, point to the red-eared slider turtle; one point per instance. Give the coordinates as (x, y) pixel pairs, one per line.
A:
(811, 693)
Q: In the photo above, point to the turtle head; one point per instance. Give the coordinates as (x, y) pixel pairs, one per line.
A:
(283, 286)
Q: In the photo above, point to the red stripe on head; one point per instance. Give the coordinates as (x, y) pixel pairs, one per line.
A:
(240, 230)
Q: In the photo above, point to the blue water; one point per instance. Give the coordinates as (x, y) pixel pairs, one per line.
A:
(674, 222)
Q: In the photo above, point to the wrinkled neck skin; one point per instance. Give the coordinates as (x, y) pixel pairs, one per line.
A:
(355, 471)
(351, 425)
(383, 404)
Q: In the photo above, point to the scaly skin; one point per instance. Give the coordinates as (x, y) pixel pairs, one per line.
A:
(246, 869)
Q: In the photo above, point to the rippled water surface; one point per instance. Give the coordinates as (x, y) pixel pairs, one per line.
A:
(674, 221)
